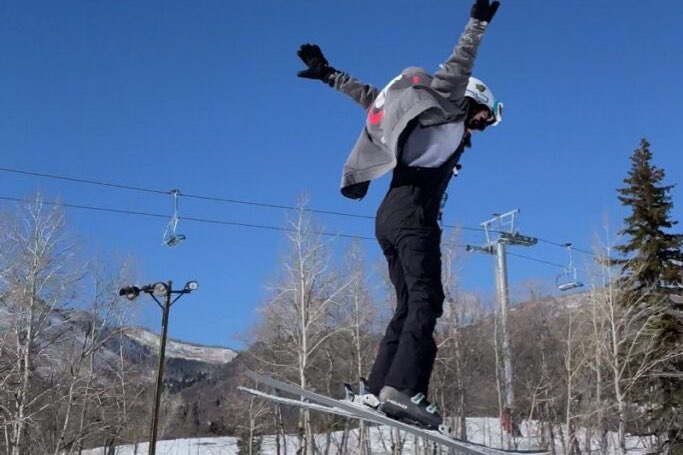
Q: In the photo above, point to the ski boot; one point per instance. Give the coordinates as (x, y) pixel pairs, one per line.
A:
(364, 397)
(413, 409)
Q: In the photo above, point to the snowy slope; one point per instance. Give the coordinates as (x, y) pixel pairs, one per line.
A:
(480, 430)
(181, 350)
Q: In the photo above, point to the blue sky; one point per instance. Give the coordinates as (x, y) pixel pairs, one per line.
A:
(202, 96)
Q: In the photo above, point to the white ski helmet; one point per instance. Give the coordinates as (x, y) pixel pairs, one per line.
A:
(480, 93)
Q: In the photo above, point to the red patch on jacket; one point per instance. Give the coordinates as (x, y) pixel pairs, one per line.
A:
(375, 117)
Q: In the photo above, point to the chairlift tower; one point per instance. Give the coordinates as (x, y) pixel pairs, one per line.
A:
(501, 231)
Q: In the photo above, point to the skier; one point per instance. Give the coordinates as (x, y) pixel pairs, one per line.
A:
(418, 126)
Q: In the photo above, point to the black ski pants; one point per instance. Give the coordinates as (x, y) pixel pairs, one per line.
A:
(410, 240)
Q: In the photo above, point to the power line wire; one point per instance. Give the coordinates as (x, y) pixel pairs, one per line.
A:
(168, 192)
(78, 180)
(198, 220)
(239, 224)
(275, 206)
(252, 203)
(564, 245)
(206, 198)
(541, 261)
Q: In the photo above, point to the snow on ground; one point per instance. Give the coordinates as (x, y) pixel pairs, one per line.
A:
(480, 430)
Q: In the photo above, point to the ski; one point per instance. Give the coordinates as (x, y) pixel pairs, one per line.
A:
(346, 409)
(297, 403)
(374, 419)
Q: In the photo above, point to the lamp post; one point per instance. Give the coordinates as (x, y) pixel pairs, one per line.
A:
(165, 290)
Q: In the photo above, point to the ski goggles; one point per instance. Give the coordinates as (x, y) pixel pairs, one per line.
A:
(497, 112)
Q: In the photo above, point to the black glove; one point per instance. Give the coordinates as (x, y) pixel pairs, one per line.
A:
(483, 11)
(313, 58)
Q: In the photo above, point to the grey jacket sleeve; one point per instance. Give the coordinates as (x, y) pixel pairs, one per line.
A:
(363, 94)
(451, 79)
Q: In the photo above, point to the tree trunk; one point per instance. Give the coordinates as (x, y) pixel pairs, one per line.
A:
(25, 365)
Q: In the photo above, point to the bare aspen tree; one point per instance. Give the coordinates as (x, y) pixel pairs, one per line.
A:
(57, 368)
(387, 307)
(573, 363)
(39, 278)
(451, 344)
(125, 388)
(6, 367)
(361, 314)
(396, 440)
(499, 388)
(87, 371)
(548, 389)
(538, 351)
(254, 414)
(328, 374)
(597, 408)
(296, 322)
(278, 423)
(628, 345)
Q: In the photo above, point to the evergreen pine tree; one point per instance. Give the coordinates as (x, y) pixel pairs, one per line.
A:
(656, 260)
(653, 273)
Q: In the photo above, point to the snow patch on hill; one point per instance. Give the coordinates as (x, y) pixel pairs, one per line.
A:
(181, 350)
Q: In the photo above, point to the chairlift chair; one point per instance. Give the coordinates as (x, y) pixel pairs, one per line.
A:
(567, 280)
(171, 237)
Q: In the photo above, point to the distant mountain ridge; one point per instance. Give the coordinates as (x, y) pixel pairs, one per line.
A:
(185, 362)
(176, 349)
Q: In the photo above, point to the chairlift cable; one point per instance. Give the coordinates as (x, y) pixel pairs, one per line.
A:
(529, 258)
(563, 245)
(252, 203)
(240, 224)
(89, 182)
(192, 196)
(194, 219)
(210, 198)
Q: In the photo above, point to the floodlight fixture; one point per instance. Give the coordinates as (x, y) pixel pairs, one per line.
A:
(130, 292)
(160, 289)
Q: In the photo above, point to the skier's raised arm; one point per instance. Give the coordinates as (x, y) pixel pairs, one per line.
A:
(452, 78)
(320, 69)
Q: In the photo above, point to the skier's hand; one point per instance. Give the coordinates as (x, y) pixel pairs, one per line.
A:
(313, 58)
(483, 11)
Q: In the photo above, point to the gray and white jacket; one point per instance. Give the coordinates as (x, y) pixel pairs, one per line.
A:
(413, 96)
